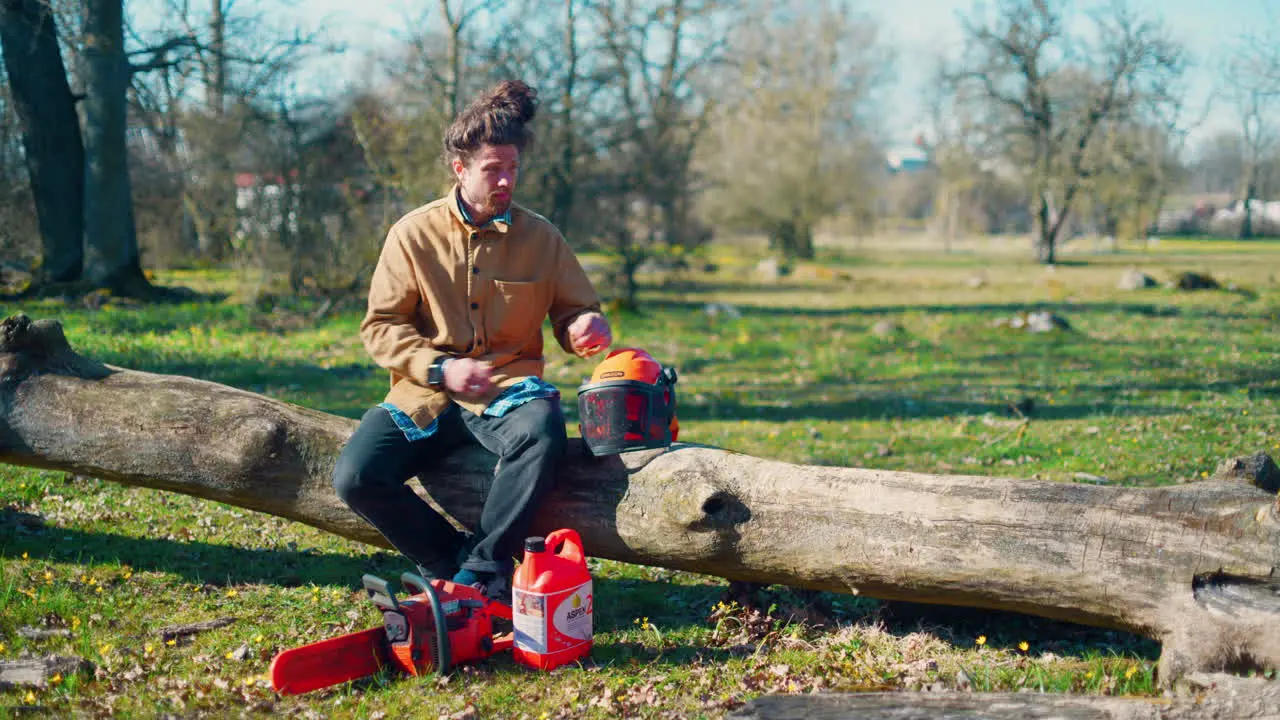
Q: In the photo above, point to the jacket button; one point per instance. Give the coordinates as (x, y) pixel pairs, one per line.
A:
(475, 235)
(475, 306)
(475, 271)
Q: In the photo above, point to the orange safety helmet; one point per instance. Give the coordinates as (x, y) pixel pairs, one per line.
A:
(629, 404)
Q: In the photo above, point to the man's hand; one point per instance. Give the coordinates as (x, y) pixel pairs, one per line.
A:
(589, 334)
(468, 377)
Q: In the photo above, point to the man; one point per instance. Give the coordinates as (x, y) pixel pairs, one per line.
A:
(455, 314)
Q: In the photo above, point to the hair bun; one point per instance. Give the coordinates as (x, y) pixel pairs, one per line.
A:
(500, 116)
(513, 98)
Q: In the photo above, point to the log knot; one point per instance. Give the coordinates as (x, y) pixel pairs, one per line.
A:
(40, 345)
(703, 506)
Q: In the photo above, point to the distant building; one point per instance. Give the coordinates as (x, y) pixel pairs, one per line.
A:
(909, 158)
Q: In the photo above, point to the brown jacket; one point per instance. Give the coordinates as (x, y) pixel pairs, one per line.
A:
(443, 286)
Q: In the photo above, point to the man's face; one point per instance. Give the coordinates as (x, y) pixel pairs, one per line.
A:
(488, 179)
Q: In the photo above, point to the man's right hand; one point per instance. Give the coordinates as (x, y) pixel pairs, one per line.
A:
(468, 377)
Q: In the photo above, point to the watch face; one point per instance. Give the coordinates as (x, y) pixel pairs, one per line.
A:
(435, 374)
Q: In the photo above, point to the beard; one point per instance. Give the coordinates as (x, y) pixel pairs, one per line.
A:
(499, 203)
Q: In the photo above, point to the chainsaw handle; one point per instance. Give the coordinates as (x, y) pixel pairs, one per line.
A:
(380, 592)
(413, 583)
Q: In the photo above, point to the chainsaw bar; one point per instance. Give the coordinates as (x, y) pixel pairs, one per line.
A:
(330, 662)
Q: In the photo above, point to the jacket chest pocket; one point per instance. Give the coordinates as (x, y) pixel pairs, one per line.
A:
(516, 311)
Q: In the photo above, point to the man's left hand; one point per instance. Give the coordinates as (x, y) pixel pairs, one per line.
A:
(589, 334)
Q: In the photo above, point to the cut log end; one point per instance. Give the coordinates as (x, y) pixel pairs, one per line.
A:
(1230, 627)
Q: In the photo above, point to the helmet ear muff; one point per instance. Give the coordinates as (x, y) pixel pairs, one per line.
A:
(629, 404)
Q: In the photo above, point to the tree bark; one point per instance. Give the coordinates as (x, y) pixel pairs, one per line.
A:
(111, 241)
(50, 134)
(1193, 566)
(1236, 699)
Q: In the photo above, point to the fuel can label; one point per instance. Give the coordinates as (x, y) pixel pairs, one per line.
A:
(572, 617)
(550, 622)
(529, 620)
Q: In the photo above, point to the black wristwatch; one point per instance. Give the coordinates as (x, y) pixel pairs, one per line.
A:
(435, 371)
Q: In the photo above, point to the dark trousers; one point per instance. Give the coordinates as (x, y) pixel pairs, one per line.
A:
(377, 461)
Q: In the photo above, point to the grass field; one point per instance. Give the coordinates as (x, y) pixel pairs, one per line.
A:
(1149, 387)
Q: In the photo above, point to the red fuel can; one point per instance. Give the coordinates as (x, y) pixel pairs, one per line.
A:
(552, 602)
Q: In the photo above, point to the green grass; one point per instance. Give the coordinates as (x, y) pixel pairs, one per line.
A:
(1149, 388)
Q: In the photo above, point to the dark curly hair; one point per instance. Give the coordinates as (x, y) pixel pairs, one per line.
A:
(500, 116)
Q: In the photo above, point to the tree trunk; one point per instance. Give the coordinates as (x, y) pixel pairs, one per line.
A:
(50, 134)
(1046, 233)
(1246, 222)
(1193, 566)
(111, 242)
(219, 196)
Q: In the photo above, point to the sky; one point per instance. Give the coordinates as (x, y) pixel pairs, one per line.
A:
(1206, 28)
(917, 30)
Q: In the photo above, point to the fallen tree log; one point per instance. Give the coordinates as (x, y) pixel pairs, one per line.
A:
(1193, 566)
(1212, 697)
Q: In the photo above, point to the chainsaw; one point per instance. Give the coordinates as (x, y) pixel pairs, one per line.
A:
(439, 625)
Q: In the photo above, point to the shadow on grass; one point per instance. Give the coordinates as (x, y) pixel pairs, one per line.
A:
(875, 407)
(197, 562)
(1067, 309)
(620, 603)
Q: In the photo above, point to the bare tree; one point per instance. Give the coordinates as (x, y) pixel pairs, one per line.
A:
(53, 149)
(1047, 93)
(1252, 83)
(793, 139)
(657, 55)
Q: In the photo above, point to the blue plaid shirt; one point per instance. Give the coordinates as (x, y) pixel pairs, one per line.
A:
(530, 388)
(504, 217)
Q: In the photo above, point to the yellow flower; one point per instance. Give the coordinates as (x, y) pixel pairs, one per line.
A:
(1, 647)
(148, 649)
(98, 589)
(1130, 672)
(57, 678)
(232, 593)
(982, 640)
(171, 642)
(104, 649)
(25, 556)
(29, 698)
(1088, 675)
(128, 574)
(229, 654)
(1023, 646)
(93, 581)
(257, 638)
(48, 577)
(75, 623)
